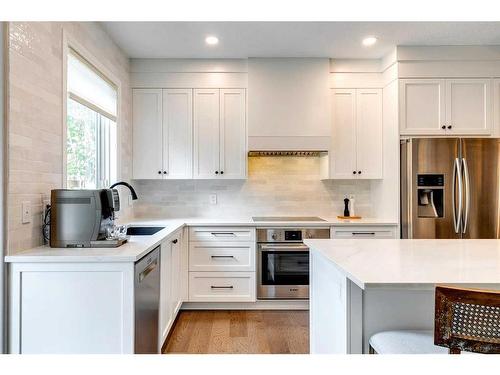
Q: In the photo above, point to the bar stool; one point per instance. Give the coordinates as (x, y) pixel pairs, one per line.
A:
(464, 320)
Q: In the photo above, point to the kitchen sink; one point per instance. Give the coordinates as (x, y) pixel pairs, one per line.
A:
(143, 231)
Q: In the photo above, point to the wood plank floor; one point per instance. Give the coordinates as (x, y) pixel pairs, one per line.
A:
(236, 331)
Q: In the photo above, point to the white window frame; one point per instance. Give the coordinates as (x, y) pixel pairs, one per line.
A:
(70, 43)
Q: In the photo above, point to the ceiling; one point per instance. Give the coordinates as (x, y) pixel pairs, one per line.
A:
(291, 39)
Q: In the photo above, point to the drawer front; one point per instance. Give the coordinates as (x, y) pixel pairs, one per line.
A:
(222, 256)
(364, 232)
(222, 286)
(221, 234)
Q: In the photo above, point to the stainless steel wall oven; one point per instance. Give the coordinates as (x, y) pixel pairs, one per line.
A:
(283, 262)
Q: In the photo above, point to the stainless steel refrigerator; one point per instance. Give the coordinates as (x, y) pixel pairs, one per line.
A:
(450, 188)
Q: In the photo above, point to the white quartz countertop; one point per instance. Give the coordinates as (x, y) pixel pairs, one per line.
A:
(138, 246)
(395, 262)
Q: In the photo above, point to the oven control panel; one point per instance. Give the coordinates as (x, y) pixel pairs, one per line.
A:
(290, 234)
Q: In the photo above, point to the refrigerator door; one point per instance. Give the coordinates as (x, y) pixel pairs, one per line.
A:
(432, 188)
(481, 164)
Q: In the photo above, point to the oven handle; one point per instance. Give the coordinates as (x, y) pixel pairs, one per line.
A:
(284, 247)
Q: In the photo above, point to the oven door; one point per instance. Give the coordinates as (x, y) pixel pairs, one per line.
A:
(283, 271)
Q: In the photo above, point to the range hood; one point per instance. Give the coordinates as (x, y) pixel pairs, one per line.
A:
(288, 104)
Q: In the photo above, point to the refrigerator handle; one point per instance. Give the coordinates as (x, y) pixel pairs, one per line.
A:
(457, 174)
(467, 194)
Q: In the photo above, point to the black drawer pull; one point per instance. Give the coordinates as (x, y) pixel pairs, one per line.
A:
(363, 233)
(222, 256)
(222, 287)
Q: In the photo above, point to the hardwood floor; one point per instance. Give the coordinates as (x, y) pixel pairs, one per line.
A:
(236, 331)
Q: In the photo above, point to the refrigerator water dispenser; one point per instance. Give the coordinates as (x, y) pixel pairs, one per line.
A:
(430, 195)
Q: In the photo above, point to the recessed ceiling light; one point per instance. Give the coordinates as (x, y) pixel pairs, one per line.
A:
(212, 40)
(369, 41)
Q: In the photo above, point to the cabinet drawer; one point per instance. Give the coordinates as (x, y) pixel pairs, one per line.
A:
(222, 286)
(364, 232)
(221, 234)
(222, 256)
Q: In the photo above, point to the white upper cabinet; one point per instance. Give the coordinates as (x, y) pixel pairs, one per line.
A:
(206, 133)
(147, 133)
(343, 151)
(422, 106)
(232, 133)
(369, 132)
(445, 106)
(469, 106)
(177, 133)
(219, 133)
(357, 147)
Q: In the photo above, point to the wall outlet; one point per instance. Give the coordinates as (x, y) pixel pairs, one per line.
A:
(213, 198)
(26, 212)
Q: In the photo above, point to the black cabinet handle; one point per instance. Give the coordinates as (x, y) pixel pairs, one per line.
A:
(443, 127)
(159, 172)
(449, 126)
(216, 172)
(221, 287)
(353, 172)
(221, 172)
(359, 172)
(164, 172)
(174, 241)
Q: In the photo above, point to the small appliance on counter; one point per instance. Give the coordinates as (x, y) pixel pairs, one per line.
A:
(85, 218)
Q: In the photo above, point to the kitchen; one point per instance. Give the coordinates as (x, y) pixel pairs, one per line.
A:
(271, 204)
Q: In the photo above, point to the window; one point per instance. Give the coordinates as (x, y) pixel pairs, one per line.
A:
(91, 147)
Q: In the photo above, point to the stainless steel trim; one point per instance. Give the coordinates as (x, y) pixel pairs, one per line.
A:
(467, 194)
(284, 247)
(457, 174)
(148, 270)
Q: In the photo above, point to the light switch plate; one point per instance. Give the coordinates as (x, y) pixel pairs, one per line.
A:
(26, 212)
(213, 198)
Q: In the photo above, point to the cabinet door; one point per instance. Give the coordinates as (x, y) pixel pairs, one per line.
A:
(147, 133)
(177, 133)
(422, 106)
(165, 290)
(343, 153)
(233, 154)
(469, 106)
(369, 133)
(206, 133)
(175, 284)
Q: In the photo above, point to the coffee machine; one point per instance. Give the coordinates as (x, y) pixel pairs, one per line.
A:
(82, 218)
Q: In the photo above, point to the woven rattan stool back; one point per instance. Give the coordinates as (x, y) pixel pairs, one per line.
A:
(467, 319)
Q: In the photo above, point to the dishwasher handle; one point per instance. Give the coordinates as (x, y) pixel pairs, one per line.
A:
(148, 270)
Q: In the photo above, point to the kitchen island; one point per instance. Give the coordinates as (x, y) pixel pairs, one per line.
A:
(362, 287)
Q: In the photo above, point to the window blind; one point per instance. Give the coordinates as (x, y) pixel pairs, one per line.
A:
(90, 88)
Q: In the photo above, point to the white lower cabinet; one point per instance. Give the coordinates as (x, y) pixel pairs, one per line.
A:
(222, 264)
(173, 282)
(222, 286)
(364, 231)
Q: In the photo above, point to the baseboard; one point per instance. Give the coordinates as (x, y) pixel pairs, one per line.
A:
(258, 305)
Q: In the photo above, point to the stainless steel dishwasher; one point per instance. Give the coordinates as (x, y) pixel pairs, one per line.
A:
(147, 301)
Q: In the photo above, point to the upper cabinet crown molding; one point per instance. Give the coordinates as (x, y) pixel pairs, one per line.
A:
(446, 106)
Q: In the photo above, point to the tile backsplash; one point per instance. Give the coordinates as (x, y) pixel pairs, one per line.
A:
(275, 186)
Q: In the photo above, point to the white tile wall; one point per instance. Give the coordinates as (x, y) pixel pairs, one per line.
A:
(35, 115)
(275, 186)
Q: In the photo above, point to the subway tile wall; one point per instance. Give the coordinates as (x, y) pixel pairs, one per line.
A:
(35, 99)
(275, 186)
